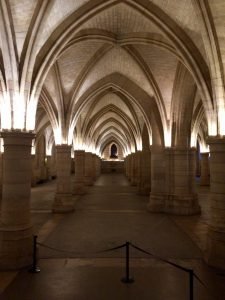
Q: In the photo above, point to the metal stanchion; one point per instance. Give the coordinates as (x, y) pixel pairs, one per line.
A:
(34, 268)
(127, 278)
(191, 284)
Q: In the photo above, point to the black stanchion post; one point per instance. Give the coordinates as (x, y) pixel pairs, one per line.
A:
(127, 278)
(34, 268)
(191, 284)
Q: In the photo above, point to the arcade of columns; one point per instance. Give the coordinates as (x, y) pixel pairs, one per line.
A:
(153, 84)
(167, 174)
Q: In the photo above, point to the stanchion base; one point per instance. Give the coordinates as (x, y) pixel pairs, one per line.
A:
(34, 270)
(127, 280)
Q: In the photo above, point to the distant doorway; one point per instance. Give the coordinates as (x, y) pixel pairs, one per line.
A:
(113, 151)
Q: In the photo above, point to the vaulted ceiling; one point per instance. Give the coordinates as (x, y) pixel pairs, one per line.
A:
(101, 71)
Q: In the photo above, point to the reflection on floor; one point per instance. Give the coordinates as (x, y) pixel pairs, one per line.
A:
(111, 213)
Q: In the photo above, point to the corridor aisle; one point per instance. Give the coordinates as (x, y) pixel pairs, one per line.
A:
(72, 258)
(110, 214)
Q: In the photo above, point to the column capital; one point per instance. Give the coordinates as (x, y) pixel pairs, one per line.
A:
(157, 148)
(216, 144)
(63, 148)
(180, 149)
(78, 153)
(212, 140)
(205, 154)
(16, 137)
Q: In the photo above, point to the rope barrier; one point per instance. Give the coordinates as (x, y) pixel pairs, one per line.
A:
(127, 278)
(205, 286)
(79, 253)
(190, 271)
(162, 259)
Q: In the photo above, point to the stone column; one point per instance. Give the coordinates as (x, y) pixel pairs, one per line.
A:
(133, 169)
(158, 179)
(98, 166)
(72, 166)
(181, 198)
(53, 164)
(63, 199)
(204, 178)
(138, 159)
(33, 169)
(78, 185)
(125, 166)
(215, 253)
(198, 168)
(48, 167)
(93, 167)
(15, 227)
(145, 173)
(88, 166)
(1, 174)
(43, 172)
(128, 166)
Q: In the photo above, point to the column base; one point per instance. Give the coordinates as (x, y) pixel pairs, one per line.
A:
(63, 203)
(173, 204)
(16, 248)
(182, 205)
(78, 188)
(156, 203)
(133, 182)
(144, 190)
(204, 181)
(88, 181)
(215, 253)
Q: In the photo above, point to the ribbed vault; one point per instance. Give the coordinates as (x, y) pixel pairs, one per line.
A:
(97, 71)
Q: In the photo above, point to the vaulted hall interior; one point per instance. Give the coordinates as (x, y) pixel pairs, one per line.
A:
(116, 108)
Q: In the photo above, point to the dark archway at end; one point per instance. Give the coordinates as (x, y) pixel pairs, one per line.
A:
(113, 151)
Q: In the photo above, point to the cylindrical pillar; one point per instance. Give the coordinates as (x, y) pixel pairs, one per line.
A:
(129, 167)
(16, 228)
(145, 173)
(138, 168)
(78, 185)
(98, 166)
(53, 163)
(125, 166)
(33, 171)
(158, 180)
(63, 199)
(48, 167)
(93, 167)
(204, 178)
(72, 166)
(181, 196)
(215, 253)
(133, 169)
(1, 172)
(88, 172)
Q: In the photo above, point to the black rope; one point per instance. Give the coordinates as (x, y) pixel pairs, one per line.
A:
(79, 253)
(205, 286)
(137, 248)
(56, 249)
(177, 266)
(162, 259)
(111, 249)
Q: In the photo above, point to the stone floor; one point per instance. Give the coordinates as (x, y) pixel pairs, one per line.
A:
(74, 264)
